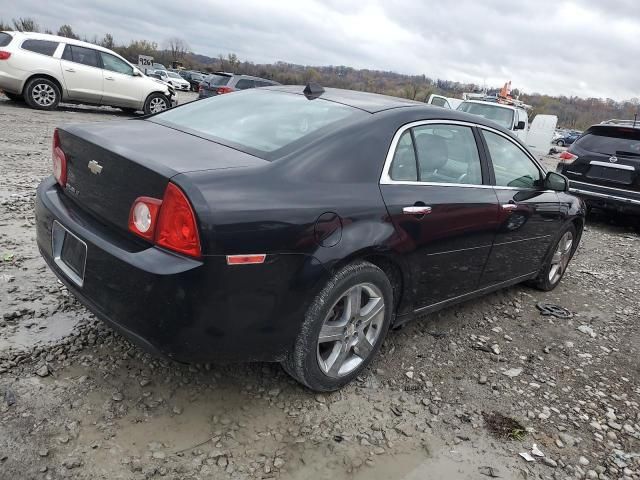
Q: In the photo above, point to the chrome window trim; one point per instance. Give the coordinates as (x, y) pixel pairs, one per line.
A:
(612, 165)
(595, 185)
(587, 193)
(385, 178)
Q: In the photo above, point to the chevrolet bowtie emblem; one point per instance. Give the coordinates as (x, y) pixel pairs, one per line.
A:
(95, 167)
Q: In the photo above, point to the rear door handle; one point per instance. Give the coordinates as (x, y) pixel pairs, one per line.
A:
(69, 70)
(109, 78)
(509, 206)
(417, 210)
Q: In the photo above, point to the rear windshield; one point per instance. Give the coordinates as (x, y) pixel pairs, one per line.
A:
(5, 39)
(611, 141)
(501, 116)
(265, 123)
(217, 80)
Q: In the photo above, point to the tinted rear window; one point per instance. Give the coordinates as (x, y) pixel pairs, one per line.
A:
(264, 123)
(5, 39)
(217, 80)
(611, 140)
(44, 47)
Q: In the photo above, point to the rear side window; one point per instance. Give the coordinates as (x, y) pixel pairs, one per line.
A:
(404, 165)
(263, 84)
(217, 80)
(5, 39)
(257, 121)
(85, 56)
(244, 83)
(43, 47)
(612, 143)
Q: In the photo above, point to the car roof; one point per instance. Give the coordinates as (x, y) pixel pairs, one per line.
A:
(56, 38)
(369, 102)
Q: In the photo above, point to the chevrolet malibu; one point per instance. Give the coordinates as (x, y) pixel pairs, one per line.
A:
(296, 225)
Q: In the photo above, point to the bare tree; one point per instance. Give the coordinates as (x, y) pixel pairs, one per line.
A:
(25, 24)
(67, 31)
(177, 47)
(107, 41)
(4, 26)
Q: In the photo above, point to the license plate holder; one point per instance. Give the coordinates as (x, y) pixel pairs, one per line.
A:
(69, 253)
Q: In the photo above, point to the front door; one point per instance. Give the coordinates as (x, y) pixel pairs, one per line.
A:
(529, 215)
(82, 74)
(444, 213)
(121, 87)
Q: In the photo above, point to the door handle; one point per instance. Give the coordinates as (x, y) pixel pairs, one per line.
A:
(417, 210)
(69, 70)
(509, 206)
(109, 78)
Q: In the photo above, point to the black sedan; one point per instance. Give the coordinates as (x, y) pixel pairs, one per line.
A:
(297, 226)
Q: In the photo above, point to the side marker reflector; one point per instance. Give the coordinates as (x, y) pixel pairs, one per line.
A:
(246, 259)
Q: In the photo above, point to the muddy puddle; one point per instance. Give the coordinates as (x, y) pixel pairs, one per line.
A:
(29, 334)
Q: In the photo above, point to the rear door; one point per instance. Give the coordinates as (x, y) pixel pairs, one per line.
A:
(82, 72)
(436, 190)
(529, 216)
(121, 88)
(541, 132)
(608, 156)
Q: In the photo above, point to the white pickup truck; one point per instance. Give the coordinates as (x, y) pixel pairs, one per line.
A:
(515, 118)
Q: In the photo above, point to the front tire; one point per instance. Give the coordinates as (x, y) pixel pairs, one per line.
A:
(557, 260)
(560, 143)
(42, 94)
(156, 103)
(343, 328)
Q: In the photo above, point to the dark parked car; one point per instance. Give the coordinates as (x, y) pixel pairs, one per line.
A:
(568, 139)
(195, 79)
(603, 166)
(221, 82)
(300, 228)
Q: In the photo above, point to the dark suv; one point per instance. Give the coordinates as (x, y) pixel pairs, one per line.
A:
(603, 166)
(222, 82)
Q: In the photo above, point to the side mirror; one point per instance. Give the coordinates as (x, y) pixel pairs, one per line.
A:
(520, 125)
(137, 73)
(555, 181)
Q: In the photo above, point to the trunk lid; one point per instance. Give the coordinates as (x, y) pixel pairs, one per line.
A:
(111, 164)
(607, 156)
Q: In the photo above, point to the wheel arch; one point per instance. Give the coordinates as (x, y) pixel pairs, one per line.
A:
(48, 77)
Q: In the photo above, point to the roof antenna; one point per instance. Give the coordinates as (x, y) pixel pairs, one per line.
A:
(313, 90)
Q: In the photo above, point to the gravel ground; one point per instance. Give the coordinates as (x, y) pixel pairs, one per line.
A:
(459, 394)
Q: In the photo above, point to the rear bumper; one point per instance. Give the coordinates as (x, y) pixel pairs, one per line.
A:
(607, 197)
(10, 83)
(189, 310)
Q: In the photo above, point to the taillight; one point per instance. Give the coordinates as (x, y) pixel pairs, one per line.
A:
(144, 217)
(4, 55)
(177, 229)
(567, 157)
(200, 88)
(59, 160)
(222, 90)
(169, 223)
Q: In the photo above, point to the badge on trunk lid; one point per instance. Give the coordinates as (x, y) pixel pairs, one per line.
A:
(612, 159)
(95, 167)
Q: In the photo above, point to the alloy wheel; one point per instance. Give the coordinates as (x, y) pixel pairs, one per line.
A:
(157, 105)
(561, 257)
(43, 94)
(350, 330)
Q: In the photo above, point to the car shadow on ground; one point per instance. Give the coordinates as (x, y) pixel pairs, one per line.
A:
(67, 107)
(613, 220)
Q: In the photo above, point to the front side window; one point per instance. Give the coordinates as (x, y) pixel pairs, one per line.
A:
(114, 64)
(43, 47)
(82, 55)
(512, 167)
(447, 154)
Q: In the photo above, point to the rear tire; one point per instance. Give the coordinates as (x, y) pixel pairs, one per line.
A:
(557, 260)
(42, 94)
(353, 313)
(156, 103)
(560, 143)
(14, 97)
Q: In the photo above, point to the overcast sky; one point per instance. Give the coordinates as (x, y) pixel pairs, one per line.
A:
(581, 47)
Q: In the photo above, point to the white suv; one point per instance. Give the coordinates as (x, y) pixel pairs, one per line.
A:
(45, 70)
